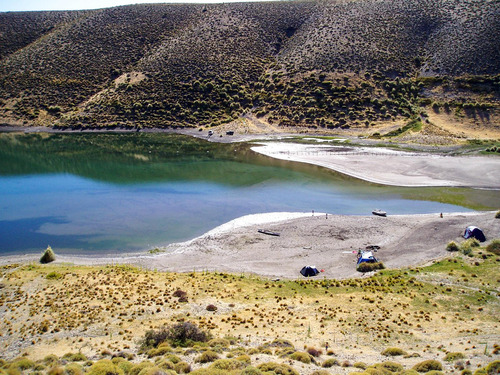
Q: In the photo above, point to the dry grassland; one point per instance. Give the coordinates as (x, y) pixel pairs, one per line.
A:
(451, 306)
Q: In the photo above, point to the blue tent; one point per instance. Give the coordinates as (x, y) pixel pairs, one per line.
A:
(366, 257)
(308, 271)
(474, 232)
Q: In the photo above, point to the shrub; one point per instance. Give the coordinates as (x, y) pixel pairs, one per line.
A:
(49, 359)
(182, 368)
(125, 365)
(493, 368)
(368, 267)
(136, 369)
(48, 256)
(181, 334)
(428, 365)
(154, 371)
(301, 357)
(314, 352)
(393, 352)
(219, 342)
(346, 364)
(165, 364)
(250, 370)
(211, 307)
(161, 350)
(330, 362)
(173, 358)
(453, 356)
(227, 364)
(391, 366)
(494, 247)
(281, 343)
(73, 369)
(53, 276)
(207, 356)
(320, 372)
(58, 370)
(179, 293)
(452, 246)
(360, 365)
(244, 358)
(105, 367)
(22, 364)
(467, 246)
(75, 357)
(277, 368)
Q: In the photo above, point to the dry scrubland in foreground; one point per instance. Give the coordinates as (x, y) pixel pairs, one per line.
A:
(64, 319)
(395, 67)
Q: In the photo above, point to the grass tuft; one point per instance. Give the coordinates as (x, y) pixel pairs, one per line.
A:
(48, 256)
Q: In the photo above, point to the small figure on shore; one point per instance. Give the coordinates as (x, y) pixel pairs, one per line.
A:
(327, 215)
(441, 215)
(313, 212)
(326, 347)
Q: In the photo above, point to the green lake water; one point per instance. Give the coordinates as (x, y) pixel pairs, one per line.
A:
(112, 193)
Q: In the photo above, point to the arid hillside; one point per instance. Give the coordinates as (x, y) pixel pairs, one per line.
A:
(327, 65)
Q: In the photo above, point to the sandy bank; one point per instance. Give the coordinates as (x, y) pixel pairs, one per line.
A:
(328, 242)
(390, 167)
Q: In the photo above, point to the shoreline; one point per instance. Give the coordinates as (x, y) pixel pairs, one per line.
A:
(327, 242)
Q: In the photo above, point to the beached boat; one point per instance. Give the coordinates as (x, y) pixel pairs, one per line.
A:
(379, 213)
(268, 232)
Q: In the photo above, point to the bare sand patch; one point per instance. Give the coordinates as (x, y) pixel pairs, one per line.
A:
(390, 167)
(328, 242)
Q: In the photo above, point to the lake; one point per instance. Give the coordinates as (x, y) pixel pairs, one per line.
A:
(113, 193)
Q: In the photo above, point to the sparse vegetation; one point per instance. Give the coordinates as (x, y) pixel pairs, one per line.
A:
(329, 66)
(387, 310)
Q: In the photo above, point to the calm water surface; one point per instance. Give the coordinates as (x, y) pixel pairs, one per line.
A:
(109, 193)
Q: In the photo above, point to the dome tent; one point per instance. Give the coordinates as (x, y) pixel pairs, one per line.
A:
(308, 271)
(474, 232)
(366, 257)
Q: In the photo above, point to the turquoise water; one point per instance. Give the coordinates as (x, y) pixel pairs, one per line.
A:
(109, 193)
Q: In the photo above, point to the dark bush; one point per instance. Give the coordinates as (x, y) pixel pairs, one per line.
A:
(181, 334)
(368, 267)
(314, 352)
(179, 293)
(211, 308)
(48, 256)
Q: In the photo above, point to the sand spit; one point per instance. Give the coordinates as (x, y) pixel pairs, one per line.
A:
(392, 167)
(328, 242)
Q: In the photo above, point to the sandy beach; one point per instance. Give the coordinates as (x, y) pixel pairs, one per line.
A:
(330, 241)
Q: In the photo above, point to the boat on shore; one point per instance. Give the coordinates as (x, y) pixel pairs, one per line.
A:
(268, 232)
(379, 213)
